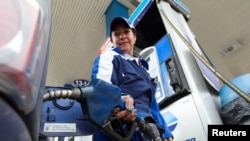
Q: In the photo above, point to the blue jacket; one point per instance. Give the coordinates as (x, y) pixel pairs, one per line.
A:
(130, 74)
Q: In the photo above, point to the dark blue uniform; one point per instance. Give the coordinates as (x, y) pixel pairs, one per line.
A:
(130, 74)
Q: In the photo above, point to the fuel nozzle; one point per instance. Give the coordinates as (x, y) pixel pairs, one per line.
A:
(97, 99)
(152, 131)
(149, 129)
(76, 93)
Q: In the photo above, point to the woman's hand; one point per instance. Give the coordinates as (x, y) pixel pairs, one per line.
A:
(169, 139)
(129, 102)
(128, 115)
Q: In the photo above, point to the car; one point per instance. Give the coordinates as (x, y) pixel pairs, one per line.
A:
(24, 45)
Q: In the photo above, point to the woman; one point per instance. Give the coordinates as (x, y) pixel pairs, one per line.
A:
(123, 68)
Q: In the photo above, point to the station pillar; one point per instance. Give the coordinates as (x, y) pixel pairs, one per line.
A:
(115, 9)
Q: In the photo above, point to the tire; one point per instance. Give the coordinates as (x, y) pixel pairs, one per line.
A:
(12, 126)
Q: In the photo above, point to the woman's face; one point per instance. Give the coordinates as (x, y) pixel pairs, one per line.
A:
(123, 37)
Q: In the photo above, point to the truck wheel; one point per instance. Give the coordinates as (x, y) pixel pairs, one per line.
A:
(12, 126)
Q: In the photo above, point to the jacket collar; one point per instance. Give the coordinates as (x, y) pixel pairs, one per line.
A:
(135, 57)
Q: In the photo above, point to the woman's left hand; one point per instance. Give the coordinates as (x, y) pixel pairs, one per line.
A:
(128, 115)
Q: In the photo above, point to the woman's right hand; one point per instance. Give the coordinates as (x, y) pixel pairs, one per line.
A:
(128, 115)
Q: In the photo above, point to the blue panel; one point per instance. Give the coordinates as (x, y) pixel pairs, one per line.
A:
(164, 52)
(115, 9)
(165, 80)
(140, 11)
(227, 94)
(163, 48)
(171, 120)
